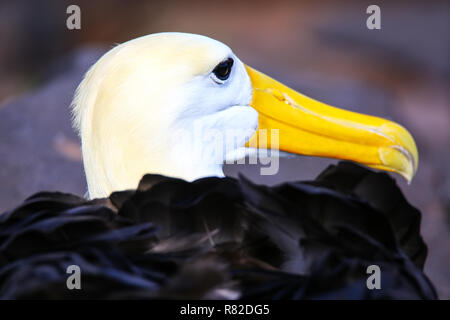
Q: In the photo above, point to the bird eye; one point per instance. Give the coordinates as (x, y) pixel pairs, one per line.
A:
(222, 70)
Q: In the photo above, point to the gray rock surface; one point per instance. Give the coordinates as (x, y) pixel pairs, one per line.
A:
(38, 148)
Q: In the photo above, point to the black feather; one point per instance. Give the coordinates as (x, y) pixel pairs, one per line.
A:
(219, 238)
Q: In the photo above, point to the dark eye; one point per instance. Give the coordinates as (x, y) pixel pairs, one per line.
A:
(222, 70)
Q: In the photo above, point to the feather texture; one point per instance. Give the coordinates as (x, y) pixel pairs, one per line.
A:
(219, 238)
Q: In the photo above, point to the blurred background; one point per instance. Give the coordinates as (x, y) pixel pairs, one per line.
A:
(322, 49)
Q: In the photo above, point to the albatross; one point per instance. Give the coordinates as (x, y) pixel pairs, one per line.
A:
(162, 221)
(137, 104)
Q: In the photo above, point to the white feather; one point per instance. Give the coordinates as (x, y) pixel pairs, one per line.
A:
(150, 105)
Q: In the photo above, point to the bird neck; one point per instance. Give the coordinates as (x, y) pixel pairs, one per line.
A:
(110, 168)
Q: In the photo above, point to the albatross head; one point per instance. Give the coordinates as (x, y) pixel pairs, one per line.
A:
(170, 103)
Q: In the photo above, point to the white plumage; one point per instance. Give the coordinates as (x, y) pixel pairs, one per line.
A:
(137, 107)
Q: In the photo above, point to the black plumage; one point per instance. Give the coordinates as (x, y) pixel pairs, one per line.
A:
(219, 238)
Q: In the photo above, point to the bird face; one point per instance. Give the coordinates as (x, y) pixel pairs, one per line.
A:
(181, 104)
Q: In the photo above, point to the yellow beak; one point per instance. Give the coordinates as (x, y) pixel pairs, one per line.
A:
(309, 127)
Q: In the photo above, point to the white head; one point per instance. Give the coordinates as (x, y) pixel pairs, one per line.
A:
(147, 104)
(138, 101)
